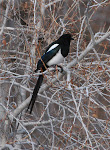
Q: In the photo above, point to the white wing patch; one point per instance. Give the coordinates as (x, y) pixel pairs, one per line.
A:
(58, 58)
(52, 47)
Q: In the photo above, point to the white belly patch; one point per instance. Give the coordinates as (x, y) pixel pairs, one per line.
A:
(57, 59)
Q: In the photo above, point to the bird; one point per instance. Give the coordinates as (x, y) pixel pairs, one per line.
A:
(54, 55)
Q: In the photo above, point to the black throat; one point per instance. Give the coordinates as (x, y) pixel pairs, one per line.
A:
(65, 45)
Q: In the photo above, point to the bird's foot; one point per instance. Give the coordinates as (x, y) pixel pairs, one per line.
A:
(57, 68)
(60, 68)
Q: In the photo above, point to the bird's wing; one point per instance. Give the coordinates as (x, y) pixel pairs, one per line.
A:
(48, 56)
(53, 46)
(49, 46)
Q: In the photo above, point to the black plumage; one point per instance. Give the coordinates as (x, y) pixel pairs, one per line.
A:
(54, 54)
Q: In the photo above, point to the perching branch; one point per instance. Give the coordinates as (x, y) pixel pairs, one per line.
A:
(90, 46)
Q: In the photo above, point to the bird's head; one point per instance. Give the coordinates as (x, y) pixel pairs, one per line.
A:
(65, 38)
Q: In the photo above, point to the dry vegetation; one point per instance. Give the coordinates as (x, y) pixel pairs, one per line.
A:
(72, 111)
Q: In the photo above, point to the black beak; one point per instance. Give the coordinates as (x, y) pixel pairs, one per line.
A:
(72, 39)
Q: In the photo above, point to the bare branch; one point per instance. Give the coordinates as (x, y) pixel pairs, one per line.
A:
(72, 63)
(5, 17)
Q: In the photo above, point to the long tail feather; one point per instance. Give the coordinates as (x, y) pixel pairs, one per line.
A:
(35, 92)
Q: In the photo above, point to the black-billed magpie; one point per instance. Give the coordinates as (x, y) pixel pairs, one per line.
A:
(54, 54)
